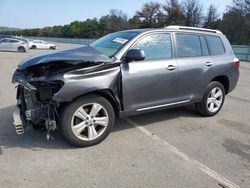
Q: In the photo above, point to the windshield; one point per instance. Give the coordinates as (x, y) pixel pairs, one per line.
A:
(111, 43)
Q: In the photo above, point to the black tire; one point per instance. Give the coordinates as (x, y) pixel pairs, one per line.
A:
(52, 48)
(67, 117)
(21, 49)
(203, 107)
(33, 47)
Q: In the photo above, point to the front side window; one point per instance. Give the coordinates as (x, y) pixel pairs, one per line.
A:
(188, 45)
(155, 46)
(215, 45)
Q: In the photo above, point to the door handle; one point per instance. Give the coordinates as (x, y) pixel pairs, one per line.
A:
(209, 64)
(171, 67)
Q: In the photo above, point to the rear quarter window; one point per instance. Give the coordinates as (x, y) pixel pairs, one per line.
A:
(215, 45)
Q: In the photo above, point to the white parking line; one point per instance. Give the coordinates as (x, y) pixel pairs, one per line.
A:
(223, 180)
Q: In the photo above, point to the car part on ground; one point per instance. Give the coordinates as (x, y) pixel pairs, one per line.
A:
(124, 73)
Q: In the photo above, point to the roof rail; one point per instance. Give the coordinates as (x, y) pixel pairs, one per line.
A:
(193, 29)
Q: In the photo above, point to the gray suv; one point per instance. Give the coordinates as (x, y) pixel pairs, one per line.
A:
(81, 91)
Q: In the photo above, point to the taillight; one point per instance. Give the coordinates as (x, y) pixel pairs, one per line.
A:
(237, 62)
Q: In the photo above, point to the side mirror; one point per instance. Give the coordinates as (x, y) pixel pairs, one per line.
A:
(134, 55)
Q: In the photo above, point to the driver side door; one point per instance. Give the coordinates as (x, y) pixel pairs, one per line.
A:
(150, 83)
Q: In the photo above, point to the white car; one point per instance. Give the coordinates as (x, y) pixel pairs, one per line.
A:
(39, 44)
(12, 44)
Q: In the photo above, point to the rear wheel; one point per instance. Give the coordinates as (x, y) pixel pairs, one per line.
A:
(213, 99)
(52, 48)
(87, 121)
(33, 47)
(21, 49)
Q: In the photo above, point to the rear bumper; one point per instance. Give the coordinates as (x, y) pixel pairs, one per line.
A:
(233, 80)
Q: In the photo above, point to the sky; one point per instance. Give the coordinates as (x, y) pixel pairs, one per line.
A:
(41, 13)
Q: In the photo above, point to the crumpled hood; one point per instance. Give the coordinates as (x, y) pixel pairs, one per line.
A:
(81, 54)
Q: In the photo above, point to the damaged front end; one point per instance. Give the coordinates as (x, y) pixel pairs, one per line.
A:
(39, 80)
(35, 105)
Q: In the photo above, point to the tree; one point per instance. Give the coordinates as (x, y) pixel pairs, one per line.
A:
(193, 12)
(174, 13)
(211, 18)
(231, 25)
(115, 21)
(89, 28)
(135, 22)
(235, 23)
(149, 13)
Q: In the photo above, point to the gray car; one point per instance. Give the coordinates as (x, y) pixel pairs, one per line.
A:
(13, 44)
(81, 91)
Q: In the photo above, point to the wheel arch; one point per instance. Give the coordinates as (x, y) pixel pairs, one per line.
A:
(105, 93)
(224, 81)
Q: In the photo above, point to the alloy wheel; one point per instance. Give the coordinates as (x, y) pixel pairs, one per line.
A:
(89, 121)
(215, 99)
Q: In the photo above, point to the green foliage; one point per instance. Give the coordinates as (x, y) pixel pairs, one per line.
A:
(235, 22)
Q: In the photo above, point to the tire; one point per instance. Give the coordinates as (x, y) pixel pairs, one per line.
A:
(33, 47)
(212, 102)
(80, 114)
(21, 49)
(52, 48)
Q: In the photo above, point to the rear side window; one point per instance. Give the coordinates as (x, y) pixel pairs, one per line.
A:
(215, 45)
(155, 46)
(188, 45)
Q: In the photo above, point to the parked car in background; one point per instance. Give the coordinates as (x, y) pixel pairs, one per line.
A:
(14, 37)
(40, 44)
(81, 91)
(5, 36)
(12, 44)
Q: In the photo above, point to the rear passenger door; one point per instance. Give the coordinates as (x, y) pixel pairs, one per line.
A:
(193, 63)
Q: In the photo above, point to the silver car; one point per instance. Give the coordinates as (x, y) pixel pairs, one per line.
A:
(11, 44)
(81, 91)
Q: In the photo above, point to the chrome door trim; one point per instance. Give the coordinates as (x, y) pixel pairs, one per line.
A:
(163, 105)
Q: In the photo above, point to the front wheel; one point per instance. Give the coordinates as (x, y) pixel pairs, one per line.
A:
(87, 121)
(213, 99)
